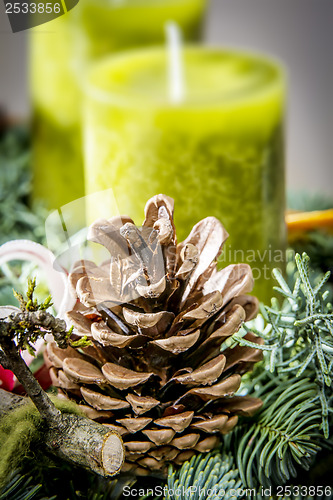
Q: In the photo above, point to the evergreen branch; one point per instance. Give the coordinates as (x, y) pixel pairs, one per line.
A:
(313, 318)
(55, 480)
(248, 343)
(284, 435)
(322, 282)
(298, 340)
(290, 429)
(205, 477)
(19, 487)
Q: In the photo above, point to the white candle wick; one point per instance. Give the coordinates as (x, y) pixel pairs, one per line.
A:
(175, 63)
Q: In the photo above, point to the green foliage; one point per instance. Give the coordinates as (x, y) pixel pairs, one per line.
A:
(15, 275)
(317, 244)
(294, 381)
(57, 480)
(299, 340)
(222, 468)
(284, 435)
(17, 218)
(19, 487)
(99, 488)
(207, 477)
(307, 202)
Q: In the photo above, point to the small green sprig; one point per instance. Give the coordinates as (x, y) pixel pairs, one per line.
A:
(30, 303)
(33, 322)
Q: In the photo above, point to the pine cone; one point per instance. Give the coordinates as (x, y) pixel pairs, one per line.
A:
(157, 314)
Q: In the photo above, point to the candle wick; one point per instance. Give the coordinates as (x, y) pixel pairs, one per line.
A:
(175, 62)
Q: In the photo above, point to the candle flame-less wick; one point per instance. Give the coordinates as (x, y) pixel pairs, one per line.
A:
(175, 63)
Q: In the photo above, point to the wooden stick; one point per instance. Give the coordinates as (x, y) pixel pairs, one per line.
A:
(76, 439)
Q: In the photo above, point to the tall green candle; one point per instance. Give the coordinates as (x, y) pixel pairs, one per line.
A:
(217, 152)
(60, 52)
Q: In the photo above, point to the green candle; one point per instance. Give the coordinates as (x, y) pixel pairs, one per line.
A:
(217, 152)
(60, 52)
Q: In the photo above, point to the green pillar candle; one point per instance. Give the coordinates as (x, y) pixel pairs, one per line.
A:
(219, 152)
(59, 53)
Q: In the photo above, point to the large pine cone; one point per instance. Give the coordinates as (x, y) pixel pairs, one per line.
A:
(157, 314)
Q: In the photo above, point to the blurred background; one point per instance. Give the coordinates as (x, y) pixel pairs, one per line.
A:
(299, 33)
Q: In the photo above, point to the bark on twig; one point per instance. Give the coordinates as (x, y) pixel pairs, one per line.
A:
(39, 319)
(76, 439)
(44, 405)
(3, 361)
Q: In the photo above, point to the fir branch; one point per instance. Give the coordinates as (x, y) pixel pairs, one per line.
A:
(205, 477)
(290, 429)
(299, 340)
(17, 218)
(54, 480)
(19, 487)
(318, 244)
(306, 201)
(284, 435)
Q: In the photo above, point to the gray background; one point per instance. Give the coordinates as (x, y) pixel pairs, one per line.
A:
(298, 32)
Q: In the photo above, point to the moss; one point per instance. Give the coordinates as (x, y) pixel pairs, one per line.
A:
(21, 434)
